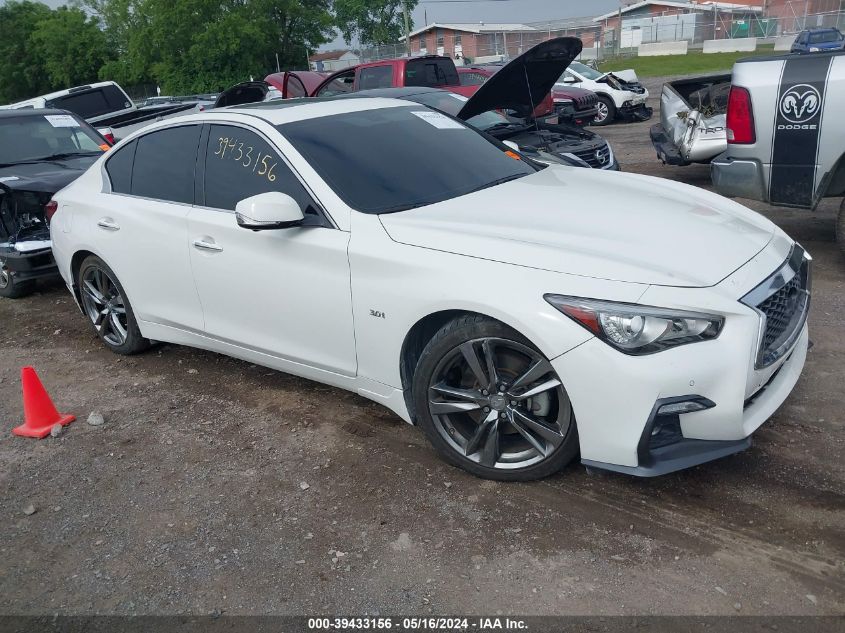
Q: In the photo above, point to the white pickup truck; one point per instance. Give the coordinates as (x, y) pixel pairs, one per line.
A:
(786, 134)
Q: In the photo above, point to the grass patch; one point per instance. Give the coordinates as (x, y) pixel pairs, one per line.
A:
(694, 63)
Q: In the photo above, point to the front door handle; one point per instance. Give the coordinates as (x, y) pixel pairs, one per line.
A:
(108, 224)
(204, 245)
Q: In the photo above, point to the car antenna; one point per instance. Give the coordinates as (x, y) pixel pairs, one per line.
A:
(530, 98)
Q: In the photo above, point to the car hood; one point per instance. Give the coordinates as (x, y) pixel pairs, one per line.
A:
(524, 82)
(591, 223)
(45, 177)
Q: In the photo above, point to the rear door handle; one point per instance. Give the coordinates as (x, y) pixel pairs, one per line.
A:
(203, 245)
(108, 224)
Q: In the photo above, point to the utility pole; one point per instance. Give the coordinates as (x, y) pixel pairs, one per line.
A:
(407, 27)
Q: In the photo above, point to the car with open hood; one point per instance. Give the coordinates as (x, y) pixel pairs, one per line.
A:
(518, 313)
(620, 94)
(506, 107)
(290, 84)
(41, 151)
(571, 105)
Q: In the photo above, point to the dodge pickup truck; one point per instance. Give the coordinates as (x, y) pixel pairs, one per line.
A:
(785, 132)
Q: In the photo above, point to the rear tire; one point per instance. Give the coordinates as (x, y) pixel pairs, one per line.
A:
(607, 112)
(11, 289)
(480, 419)
(840, 227)
(108, 309)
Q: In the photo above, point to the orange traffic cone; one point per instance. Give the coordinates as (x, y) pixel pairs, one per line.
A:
(39, 413)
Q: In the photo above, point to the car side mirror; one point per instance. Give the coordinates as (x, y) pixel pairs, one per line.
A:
(268, 211)
(569, 79)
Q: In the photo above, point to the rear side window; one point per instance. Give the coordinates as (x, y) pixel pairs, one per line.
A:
(240, 164)
(93, 102)
(119, 168)
(431, 72)
(165, 162)
(375, 77)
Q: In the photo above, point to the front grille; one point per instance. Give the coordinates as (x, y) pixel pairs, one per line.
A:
(596, 158)
(783, 300)
(587, 102)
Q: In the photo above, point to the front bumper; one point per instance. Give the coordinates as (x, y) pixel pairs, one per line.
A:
(638, 112)
(737, 178)
(24, 266)
(616, 398)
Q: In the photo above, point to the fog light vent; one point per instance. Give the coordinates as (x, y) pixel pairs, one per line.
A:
(686, 406)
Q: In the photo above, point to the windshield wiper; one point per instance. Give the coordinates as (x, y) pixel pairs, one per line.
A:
(61, 155)
(499, 181)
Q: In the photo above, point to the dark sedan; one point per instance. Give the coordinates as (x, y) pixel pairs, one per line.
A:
(41, 151)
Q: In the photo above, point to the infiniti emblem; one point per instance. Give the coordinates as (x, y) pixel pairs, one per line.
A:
(498, 402)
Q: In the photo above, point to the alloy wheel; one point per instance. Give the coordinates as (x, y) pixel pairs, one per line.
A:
(5, 278)
(499, 403)
(602, 112)
(104, 305)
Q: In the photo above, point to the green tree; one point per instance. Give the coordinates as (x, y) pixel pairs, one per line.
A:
(21, 68)
(71, 47)
(373, 21)
(203, 45)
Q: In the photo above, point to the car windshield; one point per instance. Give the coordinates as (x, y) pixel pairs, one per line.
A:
(33, 137)
(825, 37)
(585, 71)
(451, 104)
(392, 159)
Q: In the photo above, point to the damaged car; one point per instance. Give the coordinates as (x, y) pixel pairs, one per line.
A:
(519, 112)
(692, 120)
(41, 151)
(620, 94)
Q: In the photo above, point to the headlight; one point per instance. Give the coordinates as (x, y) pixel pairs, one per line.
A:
(636, 329)
(814, 49)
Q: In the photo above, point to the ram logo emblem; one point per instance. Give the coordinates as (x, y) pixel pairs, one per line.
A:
(800, 103)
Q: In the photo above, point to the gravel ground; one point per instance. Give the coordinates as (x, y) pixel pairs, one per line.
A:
(215, 486)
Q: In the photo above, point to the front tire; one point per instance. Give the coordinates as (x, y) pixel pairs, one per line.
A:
(11, 289)
(607, 111)
(491, 403)
(108, 309)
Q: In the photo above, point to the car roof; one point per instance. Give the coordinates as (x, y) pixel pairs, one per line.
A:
(389, 93)
(19, 112)
(280, 111)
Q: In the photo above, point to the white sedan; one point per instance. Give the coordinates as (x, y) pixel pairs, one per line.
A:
(499, 304)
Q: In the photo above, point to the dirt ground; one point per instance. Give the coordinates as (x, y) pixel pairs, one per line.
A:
(216, 486)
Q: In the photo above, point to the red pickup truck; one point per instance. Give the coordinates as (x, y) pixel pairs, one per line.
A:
(431, 71)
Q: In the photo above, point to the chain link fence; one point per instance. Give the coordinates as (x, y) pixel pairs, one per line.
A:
(605, 39)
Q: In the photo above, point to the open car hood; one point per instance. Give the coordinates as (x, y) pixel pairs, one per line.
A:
(524, 82)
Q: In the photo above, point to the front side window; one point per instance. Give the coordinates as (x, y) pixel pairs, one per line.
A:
(34, 137)
(391, 159)
(375, 77)
(341, 84)
(165, 161)
(240, 164)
